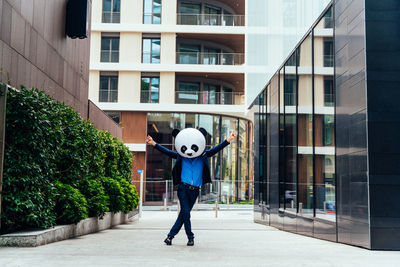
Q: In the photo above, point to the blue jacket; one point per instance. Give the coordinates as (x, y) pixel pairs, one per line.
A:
(177, 169)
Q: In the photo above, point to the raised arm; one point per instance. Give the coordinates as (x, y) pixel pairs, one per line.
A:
(160, 148)
(211, 152)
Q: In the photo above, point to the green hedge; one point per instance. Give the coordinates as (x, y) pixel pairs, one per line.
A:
(59, 168)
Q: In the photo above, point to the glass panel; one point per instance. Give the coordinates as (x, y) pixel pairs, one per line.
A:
(227, 96)
(210, 94)
(189, 54)
(148, 6)
(210, 56)
(155, 84)
(144, 95)
(115, 116)
(116, 6)
(282, 162)
(157, 6)
(155, 52)
(212, 16)
(146, 50)
(107, 5)
(188, 93)
(305, 128)
(324, 125)
(105, 43)
(156, 18)
(190, 14)
(229, 154)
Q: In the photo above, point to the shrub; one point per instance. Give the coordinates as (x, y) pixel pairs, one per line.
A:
(97, 200)
(71, 205)
(48, 143)
(115, 193)
(130, 195)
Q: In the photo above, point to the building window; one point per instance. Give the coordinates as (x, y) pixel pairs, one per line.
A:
(151, 50)
(152, 12)
(115, 116)
(328, 19)
(111, 11)
(108, 88)
(329, 94)
(150, 90)
(328, 52)
(212, 16)
(188, 93)
(109, 49)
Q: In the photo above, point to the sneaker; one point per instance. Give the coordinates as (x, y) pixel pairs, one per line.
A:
(190, 242)
(168, 240)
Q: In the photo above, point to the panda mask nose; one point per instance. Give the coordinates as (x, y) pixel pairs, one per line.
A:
(189, 154)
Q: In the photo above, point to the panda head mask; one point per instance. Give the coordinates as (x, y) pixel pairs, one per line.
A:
(190, 142)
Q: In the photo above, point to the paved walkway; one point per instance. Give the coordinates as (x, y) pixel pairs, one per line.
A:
(231, 240)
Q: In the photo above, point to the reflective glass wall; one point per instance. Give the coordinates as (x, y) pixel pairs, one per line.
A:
(232, 178)
(295, 139)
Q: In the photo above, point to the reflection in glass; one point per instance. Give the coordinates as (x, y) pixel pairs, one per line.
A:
(151, 50)
(150, 90)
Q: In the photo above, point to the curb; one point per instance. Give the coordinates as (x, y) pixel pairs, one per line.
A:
(62, 232)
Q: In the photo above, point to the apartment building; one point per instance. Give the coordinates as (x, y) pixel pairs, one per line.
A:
(159, 65)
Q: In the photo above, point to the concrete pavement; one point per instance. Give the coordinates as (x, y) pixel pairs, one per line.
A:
(230, 240)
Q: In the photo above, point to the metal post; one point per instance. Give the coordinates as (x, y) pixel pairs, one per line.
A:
(3, 102)
(178, 208)
(324, 206)
(166, 195)
(141, 195)
(216, 208)
(196, 208)
(227, 202)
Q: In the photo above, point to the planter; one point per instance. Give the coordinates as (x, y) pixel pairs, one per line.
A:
(61, 232)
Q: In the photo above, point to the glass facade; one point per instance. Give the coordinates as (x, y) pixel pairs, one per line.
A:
(231, 176)
(295, 178)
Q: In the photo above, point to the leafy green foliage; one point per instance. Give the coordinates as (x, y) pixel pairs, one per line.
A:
(96, 197)
(48, 144)
(71, 205)
(130, 194)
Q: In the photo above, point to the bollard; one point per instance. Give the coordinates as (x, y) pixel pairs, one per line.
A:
(292, 204)
(216, 209)
(197, 205)
(301, 208)
(227, 203)
(141, 194)
(324, 206)
(165, 203)
(178, 208)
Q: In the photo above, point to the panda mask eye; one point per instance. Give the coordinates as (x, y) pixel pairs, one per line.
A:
(183, 149)
(195, 148)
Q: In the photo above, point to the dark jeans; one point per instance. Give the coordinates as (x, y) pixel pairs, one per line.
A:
(187, 198)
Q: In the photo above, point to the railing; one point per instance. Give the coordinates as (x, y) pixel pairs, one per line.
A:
(290, 99)
(210, 19)
(232, 192)
(109, 56)
(111, 17)
(148, 96)
(209, 97)
(329, 100)
(152, 18)
(328, 60)
(207, 58)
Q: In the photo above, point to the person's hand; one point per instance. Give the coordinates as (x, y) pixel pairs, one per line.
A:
(231, 137)
(150, 141)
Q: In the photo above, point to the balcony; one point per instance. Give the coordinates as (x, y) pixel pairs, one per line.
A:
(210, 19)
(209, 97)
(209, 58)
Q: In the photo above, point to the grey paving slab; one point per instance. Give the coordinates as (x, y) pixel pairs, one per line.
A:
(232, 239)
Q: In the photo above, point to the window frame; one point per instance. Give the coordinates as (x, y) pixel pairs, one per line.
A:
(109, 75)
(111, 12)
(110, 36)
(149, 76)
(152, 12)
(151, 48)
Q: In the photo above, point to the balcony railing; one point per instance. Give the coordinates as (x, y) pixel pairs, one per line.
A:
(328, 60)
(329, 100)
(210, 19)
(209, 97)
(209, 58)
(111, 17)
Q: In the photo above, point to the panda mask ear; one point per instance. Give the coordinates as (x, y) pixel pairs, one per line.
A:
(203, 131)
(175, 132)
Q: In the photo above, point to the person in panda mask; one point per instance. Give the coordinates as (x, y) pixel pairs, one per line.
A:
(190, 172)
